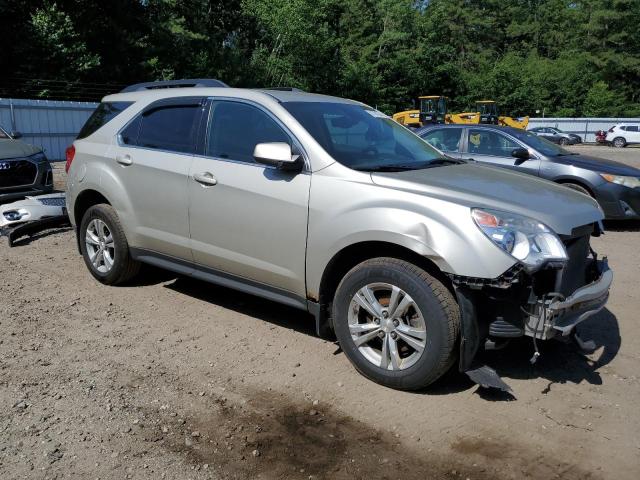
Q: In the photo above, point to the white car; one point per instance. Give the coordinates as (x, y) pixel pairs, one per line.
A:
(623, 134)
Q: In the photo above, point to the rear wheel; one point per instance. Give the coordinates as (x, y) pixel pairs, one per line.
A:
(619, 142)
(564, 141)
(104, 246)
(396, 323)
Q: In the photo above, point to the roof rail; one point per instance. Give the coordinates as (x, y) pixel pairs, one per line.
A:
(188, 82)
(283, 89)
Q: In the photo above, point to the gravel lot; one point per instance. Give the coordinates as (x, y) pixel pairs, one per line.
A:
(175, 378)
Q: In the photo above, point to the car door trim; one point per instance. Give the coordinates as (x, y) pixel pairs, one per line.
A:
(219, 277)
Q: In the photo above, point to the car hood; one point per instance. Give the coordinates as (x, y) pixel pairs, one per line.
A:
(10, 148)
(473, 185)
(596, 164)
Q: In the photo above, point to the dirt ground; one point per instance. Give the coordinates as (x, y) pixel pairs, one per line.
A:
(175, 378)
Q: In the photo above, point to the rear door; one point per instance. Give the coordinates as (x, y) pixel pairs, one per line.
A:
(632, 134)
(494, 147)
(152, 160)
(248, 219)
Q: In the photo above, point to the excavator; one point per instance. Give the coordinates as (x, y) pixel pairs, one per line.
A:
(433, 109)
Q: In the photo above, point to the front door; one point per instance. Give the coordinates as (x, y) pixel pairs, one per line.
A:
(494, 147)
(248, 219)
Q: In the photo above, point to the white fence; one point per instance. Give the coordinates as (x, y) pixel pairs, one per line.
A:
(585, 127)
(50, 124)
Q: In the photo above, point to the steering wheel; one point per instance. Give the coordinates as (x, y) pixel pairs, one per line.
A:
(370, 150)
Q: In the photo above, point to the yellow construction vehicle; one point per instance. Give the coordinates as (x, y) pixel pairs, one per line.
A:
(433, 109)
(488, 114)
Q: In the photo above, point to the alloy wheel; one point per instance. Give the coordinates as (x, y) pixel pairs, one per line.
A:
(387, 326)
(100, 245)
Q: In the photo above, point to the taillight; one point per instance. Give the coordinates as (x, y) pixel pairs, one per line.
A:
(70, 152)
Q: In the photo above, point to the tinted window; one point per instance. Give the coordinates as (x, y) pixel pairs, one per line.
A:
(169, 127)
(362, 138)
(236, 128)
(445, 139)
(488, 142)
(105, 112)
(632, 128)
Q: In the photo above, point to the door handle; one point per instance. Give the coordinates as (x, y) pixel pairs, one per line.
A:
(206, 179)
(124, 159)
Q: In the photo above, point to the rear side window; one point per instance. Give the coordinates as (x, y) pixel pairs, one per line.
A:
(102, 115)
(632, 128)
(168, 127)
(445, 139)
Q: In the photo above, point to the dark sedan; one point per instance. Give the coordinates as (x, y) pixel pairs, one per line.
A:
(556, 135)
(614, 185)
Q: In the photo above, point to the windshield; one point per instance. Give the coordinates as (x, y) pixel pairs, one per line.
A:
(362, 138)
(543, 145)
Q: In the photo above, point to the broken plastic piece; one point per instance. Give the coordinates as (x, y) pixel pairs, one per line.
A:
(487, 377)
(535, 357)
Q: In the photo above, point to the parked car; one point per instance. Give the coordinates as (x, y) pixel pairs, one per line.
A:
(614, 185)
(556, 135)
(329, 206)
(24, 168)
(623, 134)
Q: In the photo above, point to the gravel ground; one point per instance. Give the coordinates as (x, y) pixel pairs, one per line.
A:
(175, 378)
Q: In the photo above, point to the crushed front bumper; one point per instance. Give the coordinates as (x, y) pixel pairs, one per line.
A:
(559, 316)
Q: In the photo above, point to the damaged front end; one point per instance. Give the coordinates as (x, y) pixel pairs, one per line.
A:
(542, 303)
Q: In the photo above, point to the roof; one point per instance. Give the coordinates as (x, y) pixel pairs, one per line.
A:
(282, 96)
(511, 130)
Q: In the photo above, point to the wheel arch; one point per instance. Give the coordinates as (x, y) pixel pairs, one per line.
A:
(83, 202)
(356, 253)
(578, 181)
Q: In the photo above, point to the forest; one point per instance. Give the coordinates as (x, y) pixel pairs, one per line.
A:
(535, 57)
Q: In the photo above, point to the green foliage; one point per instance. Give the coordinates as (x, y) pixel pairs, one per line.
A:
(564, 58)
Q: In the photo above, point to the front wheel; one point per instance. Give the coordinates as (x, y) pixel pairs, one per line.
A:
(397, 324)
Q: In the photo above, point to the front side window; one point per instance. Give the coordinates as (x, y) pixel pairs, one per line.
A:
(488, 142)
(103, 114)
(362, 138)
(236, 128)
(445, 139)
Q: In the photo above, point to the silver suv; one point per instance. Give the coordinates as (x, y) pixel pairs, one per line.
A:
(414, 260)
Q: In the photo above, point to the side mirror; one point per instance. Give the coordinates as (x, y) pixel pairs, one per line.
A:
(277, 154)
(15, 135)
(520, 153)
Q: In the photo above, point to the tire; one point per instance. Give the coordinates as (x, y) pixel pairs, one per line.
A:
(431, 320)
(619, 142)
(564, 142)
(577, 187)
(115, 265)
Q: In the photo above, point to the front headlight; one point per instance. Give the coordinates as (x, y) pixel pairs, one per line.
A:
(38, 157)
(631, 182)
(527, 240)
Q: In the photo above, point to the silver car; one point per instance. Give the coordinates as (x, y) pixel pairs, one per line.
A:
(413, 259)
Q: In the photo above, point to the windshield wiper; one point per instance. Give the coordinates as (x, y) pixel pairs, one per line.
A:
(386, 168)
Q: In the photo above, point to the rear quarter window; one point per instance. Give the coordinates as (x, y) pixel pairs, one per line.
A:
(102, 115)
